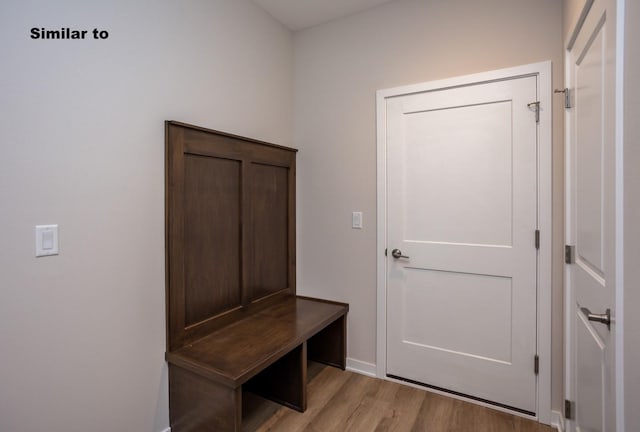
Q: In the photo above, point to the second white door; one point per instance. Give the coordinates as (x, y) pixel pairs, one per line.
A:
(591, 223)
(461, 222)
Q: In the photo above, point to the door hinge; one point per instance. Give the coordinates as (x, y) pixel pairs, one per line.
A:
(569, 254)
(567, 96)
(537, 239)
(536, 108)
(536, 364)
(385, 252)
(568, 409)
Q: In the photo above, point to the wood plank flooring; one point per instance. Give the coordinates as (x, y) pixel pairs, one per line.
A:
(345, 401)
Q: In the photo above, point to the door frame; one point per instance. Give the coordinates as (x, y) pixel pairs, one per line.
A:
(543, 71)
(619, 214)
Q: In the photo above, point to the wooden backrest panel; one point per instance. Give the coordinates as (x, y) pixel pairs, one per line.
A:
(212, 236)
(230, 229)
(268, 230)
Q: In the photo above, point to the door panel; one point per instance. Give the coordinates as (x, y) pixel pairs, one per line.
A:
(589, 377)
(588, 156)
(477, 166)
(591, 220)
(432, 300)
(462, 206)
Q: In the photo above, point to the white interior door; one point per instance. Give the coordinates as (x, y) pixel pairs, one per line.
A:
(462, 210)
(591, 220)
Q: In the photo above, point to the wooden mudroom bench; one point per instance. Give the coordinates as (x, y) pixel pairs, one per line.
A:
(234, 320)
(265, 353)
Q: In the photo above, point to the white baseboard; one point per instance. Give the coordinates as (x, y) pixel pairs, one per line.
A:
(167, 430)
(557, 420)
(363, 368)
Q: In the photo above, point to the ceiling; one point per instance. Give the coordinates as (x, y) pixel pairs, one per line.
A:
(301, 14)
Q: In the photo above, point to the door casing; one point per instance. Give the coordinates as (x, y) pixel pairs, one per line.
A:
(543, 71)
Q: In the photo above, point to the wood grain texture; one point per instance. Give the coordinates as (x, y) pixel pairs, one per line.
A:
(268, 229)
(285, 381)
(174, 236)
(329, 346)
(266, 352)
(197, 405)
(237, 352)
(212, 252)
(230, 229)
(345, 401)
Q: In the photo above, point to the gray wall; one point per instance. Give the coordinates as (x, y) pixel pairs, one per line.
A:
(82, 145)
(571, 13)
(337, 68)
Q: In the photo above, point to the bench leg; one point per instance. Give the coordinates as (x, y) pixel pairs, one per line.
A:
(329, 345)
(197, 404)
(285, 381)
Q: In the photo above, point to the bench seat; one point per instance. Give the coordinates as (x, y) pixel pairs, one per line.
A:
(265, 352)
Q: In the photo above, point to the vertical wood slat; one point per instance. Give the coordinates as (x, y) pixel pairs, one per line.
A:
(268, 229)
(246, 235)
(292, 224)
(174, 148)
(212, 256)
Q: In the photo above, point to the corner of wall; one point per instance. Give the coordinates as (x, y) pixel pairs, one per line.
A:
(361, 367)
(557, 420)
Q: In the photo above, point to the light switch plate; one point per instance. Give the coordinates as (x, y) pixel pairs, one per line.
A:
(356, 220)
(46, 240)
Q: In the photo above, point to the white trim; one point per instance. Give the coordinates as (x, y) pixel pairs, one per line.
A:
(545, 200)
(568, 240)
(557, 420)
(543, 71)
(167, 430)
(381, 238)
(619, 215)
(361, 367)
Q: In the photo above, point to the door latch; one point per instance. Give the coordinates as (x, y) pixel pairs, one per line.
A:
(536, 108)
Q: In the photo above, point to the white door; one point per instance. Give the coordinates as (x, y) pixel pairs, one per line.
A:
(591, 220)
(462, 210)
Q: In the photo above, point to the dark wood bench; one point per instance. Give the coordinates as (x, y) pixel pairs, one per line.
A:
(265, 353)
(234, 321)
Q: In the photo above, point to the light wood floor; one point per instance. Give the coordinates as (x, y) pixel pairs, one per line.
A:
(345, 401)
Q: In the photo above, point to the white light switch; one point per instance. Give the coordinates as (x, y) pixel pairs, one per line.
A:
(356, 220)
(46, 240)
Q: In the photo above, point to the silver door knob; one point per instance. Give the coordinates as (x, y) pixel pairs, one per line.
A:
(397, 253)
(604, 318)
